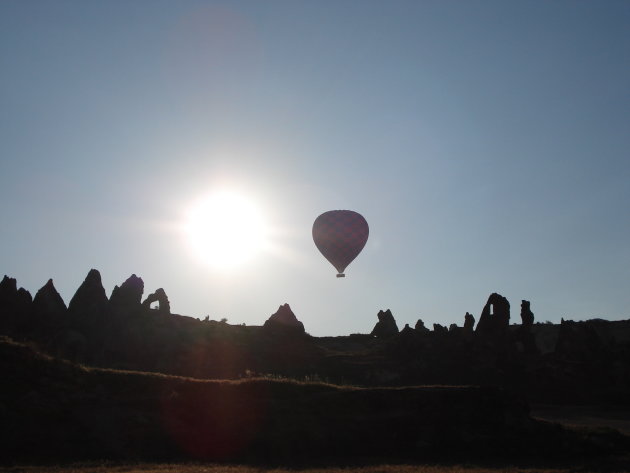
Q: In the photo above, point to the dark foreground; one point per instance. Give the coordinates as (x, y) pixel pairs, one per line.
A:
(210, 468)
(55, 412)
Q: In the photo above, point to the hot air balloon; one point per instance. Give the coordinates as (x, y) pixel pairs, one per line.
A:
(340, 235)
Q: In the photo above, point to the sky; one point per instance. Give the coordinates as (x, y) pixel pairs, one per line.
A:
(485, 142)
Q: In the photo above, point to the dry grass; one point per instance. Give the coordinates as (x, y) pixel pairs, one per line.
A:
(612, 417)
(201, 468)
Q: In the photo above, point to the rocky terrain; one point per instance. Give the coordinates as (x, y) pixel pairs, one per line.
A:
(123, 378)
(572, 362)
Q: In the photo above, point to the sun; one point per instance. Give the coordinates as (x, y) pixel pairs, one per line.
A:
(225, 229)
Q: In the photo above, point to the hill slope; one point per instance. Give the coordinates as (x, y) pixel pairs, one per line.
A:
(53, 410)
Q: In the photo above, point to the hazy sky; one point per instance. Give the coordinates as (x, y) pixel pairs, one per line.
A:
(485, 142)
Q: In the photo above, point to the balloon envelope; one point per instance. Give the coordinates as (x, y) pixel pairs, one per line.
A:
(340, 235)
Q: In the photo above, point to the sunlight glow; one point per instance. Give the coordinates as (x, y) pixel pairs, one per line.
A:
(225, 229)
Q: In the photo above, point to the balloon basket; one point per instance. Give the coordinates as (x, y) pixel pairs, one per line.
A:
(341, 275)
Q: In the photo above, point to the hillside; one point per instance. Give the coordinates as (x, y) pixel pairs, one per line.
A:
(56, 411)
(569, 363)
(124, 379)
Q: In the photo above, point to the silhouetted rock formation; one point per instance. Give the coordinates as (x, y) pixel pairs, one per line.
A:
(386, 326)
(578, 361)
(10, 295)
(284, 319)
(420, 327)
(49, 309)
(8, 289)
(90, 299)
(469, 323)
(407, 330)
(527, 316)
(90, 296)
(495, 317)
(48, 301)
(579, 342)
(24, 297)
(439, 329)
(128, 295)
(15, 305)
(86, 314)
(160, 297)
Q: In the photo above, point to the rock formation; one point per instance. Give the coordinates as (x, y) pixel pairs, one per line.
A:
(284, 319)
(87, 321)
(495, 316)
(48, 299)
(469, 322)
(90, 298)
(386, 326)
(439, 329)
(407, 330)
(128, 295)
(527, 316)
(160, 297)
(578, 361)
(15, 305)
(11, 297)
(49, 309)
(24, 297)
(420, 327)
(8, 288)
(580, 341)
